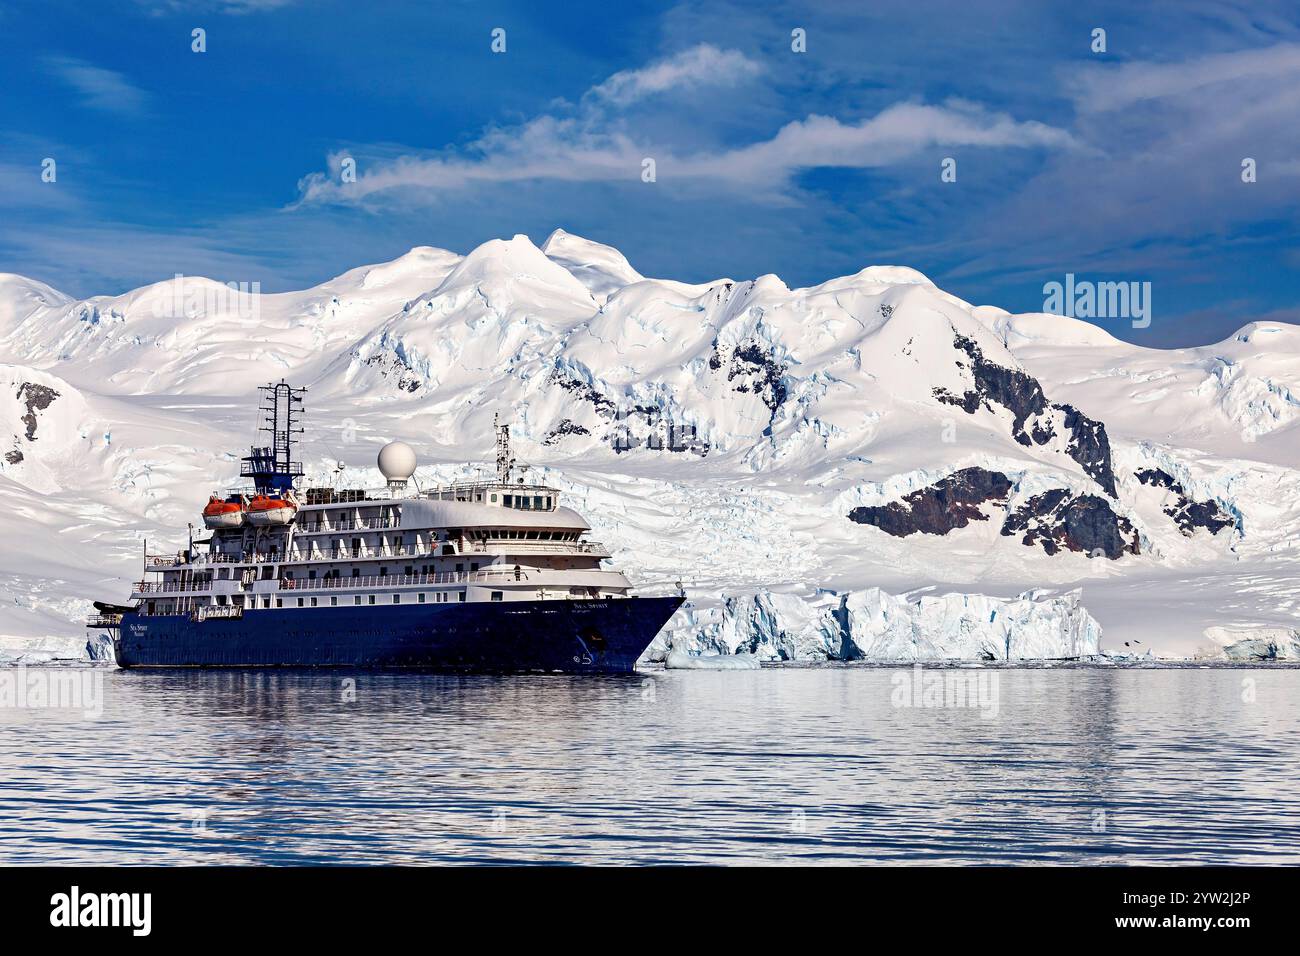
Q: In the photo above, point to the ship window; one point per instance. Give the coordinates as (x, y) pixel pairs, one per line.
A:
(357, 599)
(461, 596)
(356, 572)
(312, 575)
(460, 568)
(410, 569)
(397, 599)
(532, 536)
(266, 602)
(313, 602)
(421, 598)
(509, 501)
(494, 498)
(497, 595)
(372, 599)
(279, 602)
(334, 600)
(537, 502)
(300, 602)
(383, 572)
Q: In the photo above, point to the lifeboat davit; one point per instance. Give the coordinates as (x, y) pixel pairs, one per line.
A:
(271, 510)
(225, 512)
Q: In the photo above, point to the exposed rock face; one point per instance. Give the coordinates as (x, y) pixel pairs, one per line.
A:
(1032, 415)
(1089, 446)
(751, 367)
(1056, 519)
(1188, 514)
(395, 365)
(37, 398)
(584, 391)
(953, 502)
(565, 427)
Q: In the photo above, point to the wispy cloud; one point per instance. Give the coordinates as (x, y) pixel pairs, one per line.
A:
(598, 144)
(702, 65)
(1208, 77)
(99, 88)
(160, 7)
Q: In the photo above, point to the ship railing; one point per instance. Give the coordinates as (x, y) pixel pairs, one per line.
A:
(437, 491)
(403, 580)
(168, 587)
(104, 620)
(350, 524)
(538, 547)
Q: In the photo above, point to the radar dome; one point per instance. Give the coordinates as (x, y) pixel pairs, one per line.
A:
(397, 461)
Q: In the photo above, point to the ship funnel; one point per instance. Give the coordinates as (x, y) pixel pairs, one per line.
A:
(397, 464)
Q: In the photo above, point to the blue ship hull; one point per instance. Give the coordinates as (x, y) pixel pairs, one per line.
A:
(591, 636)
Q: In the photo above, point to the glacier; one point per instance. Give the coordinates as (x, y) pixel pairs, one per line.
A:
(872, 625)
(716, 434)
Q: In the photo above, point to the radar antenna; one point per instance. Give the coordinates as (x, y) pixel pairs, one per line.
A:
(505, 464)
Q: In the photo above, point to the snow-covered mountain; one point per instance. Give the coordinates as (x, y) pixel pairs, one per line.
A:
(799, 458)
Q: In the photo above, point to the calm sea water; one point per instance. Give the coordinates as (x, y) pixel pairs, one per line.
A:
(774, 766)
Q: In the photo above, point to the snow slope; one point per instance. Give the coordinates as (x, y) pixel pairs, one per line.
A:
(797, 457)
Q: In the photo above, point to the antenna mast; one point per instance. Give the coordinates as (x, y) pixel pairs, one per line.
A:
(272, 467)
(505, 464)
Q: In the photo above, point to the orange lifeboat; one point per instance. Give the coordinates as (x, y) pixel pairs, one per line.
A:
(271, 510)
(224, 513)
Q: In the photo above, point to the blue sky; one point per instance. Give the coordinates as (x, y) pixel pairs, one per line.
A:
(1123, 165)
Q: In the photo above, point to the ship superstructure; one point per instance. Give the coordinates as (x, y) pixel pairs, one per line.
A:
(494, 574)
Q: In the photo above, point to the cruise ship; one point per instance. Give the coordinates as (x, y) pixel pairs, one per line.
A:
(494, 575)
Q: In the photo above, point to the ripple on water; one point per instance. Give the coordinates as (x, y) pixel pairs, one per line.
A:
(771, 766)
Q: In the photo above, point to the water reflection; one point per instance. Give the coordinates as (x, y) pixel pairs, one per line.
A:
(777, 766)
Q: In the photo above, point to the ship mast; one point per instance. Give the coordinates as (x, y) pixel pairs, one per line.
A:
(272, 467)
(505, 464)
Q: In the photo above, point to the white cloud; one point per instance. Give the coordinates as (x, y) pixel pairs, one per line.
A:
(1208, 76)
(99, 88)
(597, 145)
(702, 65)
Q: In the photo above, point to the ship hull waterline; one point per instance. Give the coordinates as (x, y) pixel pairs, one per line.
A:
(569, 636)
